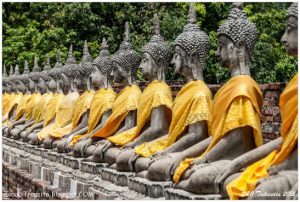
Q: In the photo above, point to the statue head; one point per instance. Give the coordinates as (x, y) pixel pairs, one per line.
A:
(4, 79)
(290, 36)
(156, 55)
(44, 77)
(102, 67)
(125, 61)
(16, 79)
(24, 81)
(34, 76)
(84, 69)
(236, 37)
(69, 71)
(9, 80)
(190, 49)
(55, 73)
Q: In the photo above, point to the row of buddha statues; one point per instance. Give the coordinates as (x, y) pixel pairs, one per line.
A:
(204, 144)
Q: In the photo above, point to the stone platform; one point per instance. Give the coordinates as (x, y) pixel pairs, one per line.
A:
(50, 175)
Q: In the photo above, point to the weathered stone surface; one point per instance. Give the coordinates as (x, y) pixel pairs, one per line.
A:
(178, 194)
(119, 178)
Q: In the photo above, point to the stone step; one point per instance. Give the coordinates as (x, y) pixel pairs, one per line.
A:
(178, 194)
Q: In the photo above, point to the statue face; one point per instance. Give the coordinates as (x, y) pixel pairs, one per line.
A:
(227, 52)
(290, 36)
(148, 66)
(119, 73)
(97, 78)
(21, 87)
(31, 85)
(80, 82)
(42, 84)
(180, 61)
(52, 84)
(65, 82)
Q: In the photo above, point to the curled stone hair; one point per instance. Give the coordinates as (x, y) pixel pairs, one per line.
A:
(103, 61)
(126, 56)
(4, 74)
(24, 77)
(192, 39)
(16, 76)
(70, 68)
(10, 74)
(293, 10)
(85, 67)
(35, 73)
(45, 73)
(157, 48)
(55, 72)
(239, 29)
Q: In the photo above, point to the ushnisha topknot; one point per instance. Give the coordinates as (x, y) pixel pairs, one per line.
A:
(293, 10)
(103, 61)
(71, 66)
(157, 48)
(15, 77)
(55, 72)
(239, 29)
(193, 40)
(126, 56)
(24, 77)
(35, 73)
(85, 67)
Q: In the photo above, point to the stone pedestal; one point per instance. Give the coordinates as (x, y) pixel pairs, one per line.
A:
(92, 167)
(116, 177)
(148, 188)
(178, 194)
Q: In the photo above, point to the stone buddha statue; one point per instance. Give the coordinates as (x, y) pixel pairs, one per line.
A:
(5, 91)
(271, 168)
(63, 119)
(231, 134)
(189, 121)
(82, 106)
(32, 102)
(154, 109)
(42, 105)
(21, 109)
(125, 63)
(101, 106)
(15, 98)
(156, 56)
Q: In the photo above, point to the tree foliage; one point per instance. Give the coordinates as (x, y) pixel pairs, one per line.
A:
(39, 29)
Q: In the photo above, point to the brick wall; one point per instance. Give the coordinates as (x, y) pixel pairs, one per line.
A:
(270, 114)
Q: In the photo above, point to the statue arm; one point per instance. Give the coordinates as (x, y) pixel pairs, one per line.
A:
(156, 128)
(83, 123)
(36, 126)
(21, 121)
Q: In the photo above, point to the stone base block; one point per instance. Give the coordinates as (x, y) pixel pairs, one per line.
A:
(118, 178)
(148, 188)
(178, 194)
(92, 167)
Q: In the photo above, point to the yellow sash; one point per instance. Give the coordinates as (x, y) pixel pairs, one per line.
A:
(22, 106)
(126, 101)
(15, 99)
(102, 102)
(247, 181)
(156, 94)
(32, 101)
(236, 104)
(82, 104)
(193, 103)
(39, 109)
(63, 116)
(5, 101)
(50, 111)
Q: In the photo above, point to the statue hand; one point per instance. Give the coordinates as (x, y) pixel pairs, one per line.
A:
(273, 170)
(130, 145)
(220, 179)
(199, 161)
(65, 135)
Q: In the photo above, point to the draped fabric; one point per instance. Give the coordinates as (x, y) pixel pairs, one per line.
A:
(102, 102)
(50, 111)
(236, 104)
(156, 94)
(22, 106)
(31, 103)
(81, 106)
(14, 99)
(39, 109)
(192, 104)
(5, 100)
(126, 101)
(63, 117)
(247, 181)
